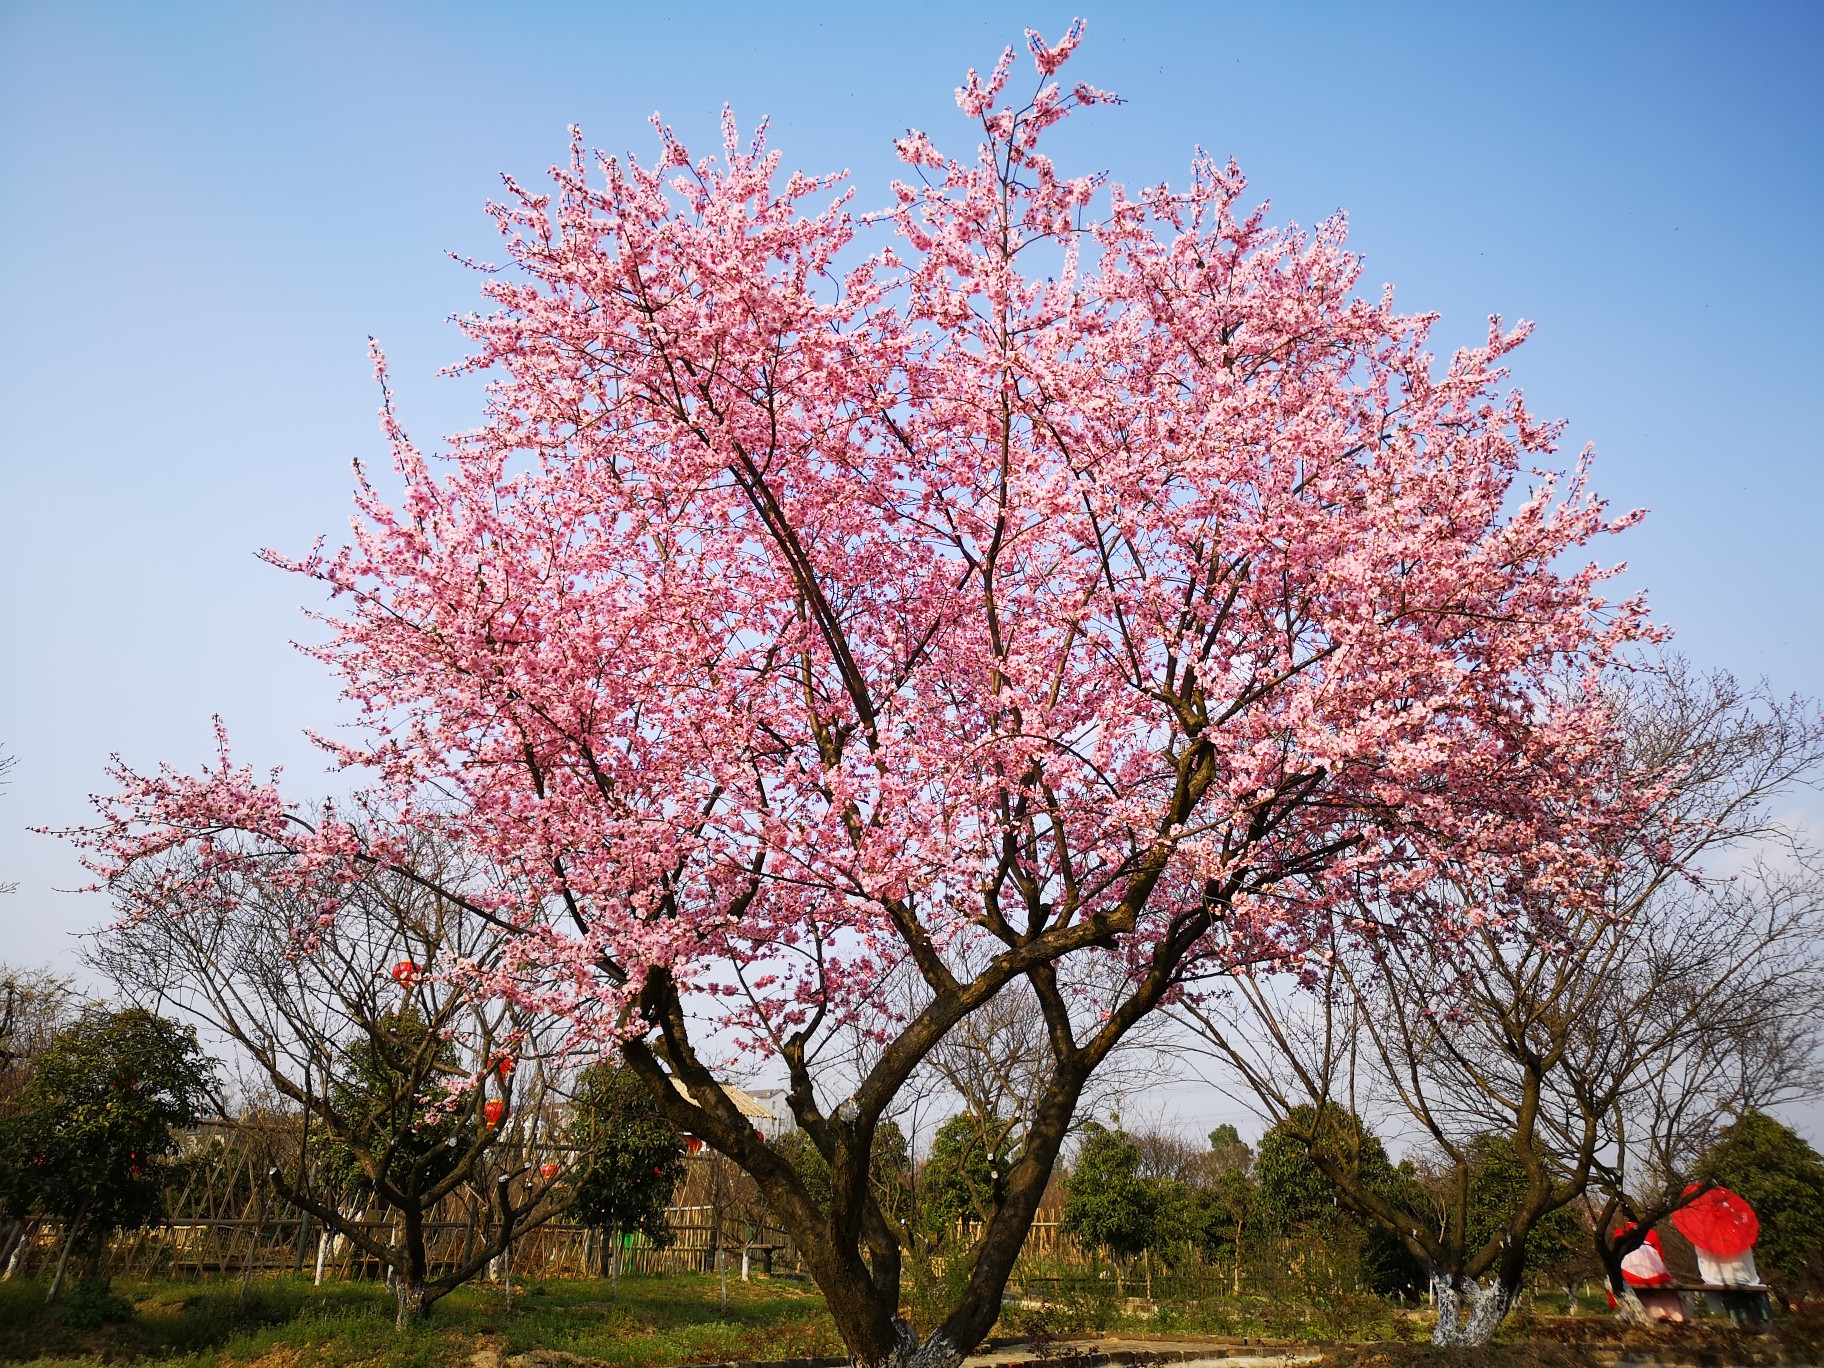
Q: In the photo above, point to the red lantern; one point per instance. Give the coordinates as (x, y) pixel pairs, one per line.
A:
(404, 972)
(504, 1065)
(494, 1110)
(547, 1170)
(696, 1145)
(1718, 1222)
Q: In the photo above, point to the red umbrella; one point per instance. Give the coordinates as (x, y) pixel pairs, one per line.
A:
(1718, 1222)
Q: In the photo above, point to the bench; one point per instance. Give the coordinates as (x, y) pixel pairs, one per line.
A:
(1745, 1303)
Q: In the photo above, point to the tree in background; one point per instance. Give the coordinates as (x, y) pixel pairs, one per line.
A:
(1203, 1194)
(410, 1088)
(1782, 1176)
(35, 1005)
(629, 1161)
(1108, 1203)
(964, 1176)
(1306, 1168)
(88, 1140)
(1556, 1246)
(6, 769)
(1220, 1211)
(371, 1086)
(1035, 584)
(1714, 1008)
(1600, 1036)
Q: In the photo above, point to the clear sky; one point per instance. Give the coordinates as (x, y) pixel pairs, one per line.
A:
(209, 208)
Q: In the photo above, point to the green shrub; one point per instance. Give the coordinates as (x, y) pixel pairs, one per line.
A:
(92, 1304)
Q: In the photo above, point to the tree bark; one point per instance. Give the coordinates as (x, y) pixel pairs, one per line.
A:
(410, 1296)
(19, 1249)
(253, 1250)
(63, 1259)
(1470, 1310)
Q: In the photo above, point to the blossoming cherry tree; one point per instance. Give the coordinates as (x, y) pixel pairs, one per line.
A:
(1037, 586)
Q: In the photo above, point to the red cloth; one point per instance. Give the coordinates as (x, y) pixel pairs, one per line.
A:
(1645, 1266)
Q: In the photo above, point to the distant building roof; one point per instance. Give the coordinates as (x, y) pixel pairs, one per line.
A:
(745, 1102)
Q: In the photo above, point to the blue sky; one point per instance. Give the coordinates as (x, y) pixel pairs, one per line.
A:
(210, 208)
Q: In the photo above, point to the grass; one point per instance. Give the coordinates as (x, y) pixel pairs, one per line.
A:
(662, 1322)
(655, 1323)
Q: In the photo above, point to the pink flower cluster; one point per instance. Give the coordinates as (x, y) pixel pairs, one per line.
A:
(825, 593)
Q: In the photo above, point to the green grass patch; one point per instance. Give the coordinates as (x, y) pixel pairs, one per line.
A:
(656, 1322)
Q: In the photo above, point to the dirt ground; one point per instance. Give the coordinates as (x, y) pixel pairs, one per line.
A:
(1580, 1342)
(1529, 1342)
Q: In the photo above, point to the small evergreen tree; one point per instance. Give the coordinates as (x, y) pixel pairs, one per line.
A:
(964, 1177)
(1293, 1192)
(1211, 1206)
(1108, 1203)
(88, 1138)
(1497, 1188)
(379, 1090)
(1782, 1177)
(630, 1160)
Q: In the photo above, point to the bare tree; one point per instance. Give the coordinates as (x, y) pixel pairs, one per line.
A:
(1716, 1012)
(998, 1061)
(6, 769)
(1715, 1007)
(1562, 1034)
(409, 1088)
(34, 1005)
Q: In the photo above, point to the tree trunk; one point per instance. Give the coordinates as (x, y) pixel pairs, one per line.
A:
(409, 1293)
(297, 1262)
(411, 1269)
(253, 1250)
(614, 1261)
(1628, 1307)
(95, 1250)
(63, 1259)
(17, 1256)
(1469, 1310)
(849, 1249)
